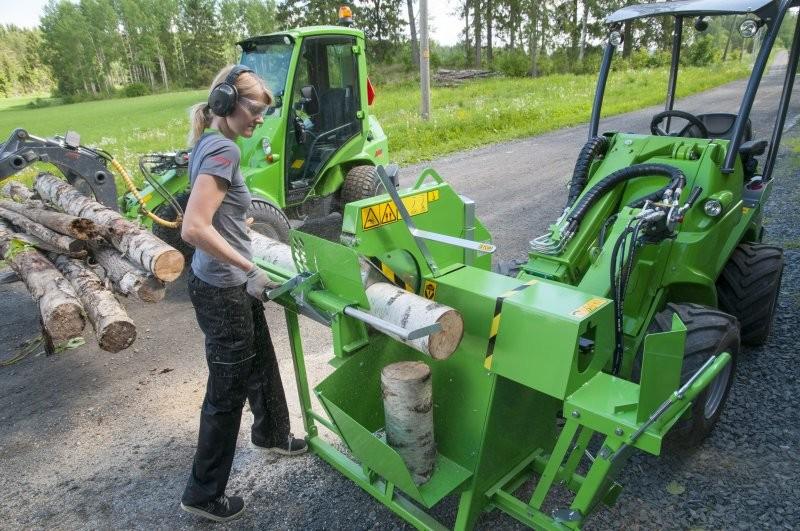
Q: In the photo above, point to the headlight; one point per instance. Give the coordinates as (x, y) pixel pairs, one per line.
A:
(713, 208)
(615, 38)
(748, 28)
(266, 146)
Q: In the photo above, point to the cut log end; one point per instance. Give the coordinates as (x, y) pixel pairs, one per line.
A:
(405, 371)
(64, 322)
(168, 265)
(445, 342)
(151, 290)
(117, 336)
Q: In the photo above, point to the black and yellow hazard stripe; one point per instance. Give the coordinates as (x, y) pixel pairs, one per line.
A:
(498, 308)
(391, 275)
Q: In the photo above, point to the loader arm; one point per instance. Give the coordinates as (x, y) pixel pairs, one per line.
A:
(83, 167)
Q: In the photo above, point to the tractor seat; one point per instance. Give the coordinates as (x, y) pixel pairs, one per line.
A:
(720, 126)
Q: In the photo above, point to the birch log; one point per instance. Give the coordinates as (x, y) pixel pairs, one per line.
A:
(33, 241)
(127, 278)
(409, 310)
(59, 306)
(390, 303)
(60, 242)
(408, 410)
(142, 247)
(78, 228)
(114, 329)
(16, 191)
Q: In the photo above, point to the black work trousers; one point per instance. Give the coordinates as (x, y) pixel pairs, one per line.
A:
(241, 364)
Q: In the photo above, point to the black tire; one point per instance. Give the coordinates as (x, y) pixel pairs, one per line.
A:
(173, 236)
(359, 183)
(748, 289)
(708, 332)
(269, 220)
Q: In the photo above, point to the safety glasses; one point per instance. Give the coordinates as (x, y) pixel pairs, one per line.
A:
(255, 108)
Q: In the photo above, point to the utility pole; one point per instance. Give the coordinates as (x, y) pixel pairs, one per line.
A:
(424, 63)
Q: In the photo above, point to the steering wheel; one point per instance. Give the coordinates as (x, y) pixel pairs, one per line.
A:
(694, 121)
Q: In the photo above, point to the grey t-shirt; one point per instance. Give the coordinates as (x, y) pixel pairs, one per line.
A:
(216, 155)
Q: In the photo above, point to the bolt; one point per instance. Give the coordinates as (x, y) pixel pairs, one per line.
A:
(576, 414)
(618, 432)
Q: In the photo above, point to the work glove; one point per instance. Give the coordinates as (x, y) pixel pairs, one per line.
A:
(258, 282)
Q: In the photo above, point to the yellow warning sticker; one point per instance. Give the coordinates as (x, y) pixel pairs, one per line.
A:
(745, 210)
(433, 195)
(429, 290)
(297, 164)
(386, 212)
(588, 307)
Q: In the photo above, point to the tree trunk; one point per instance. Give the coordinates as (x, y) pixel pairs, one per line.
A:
(728, 40)
(476, 19)
(489, 23)
(414, 39)
(534, 40)
(627, 44)
(17, 191)
(59, 307)
(467, 44)
(144, 248)
(407, 391)
(272, 251)
(584, 28)
(127, 278)
(78, 228)
(114, 329)
(409, 310)
(64, 244)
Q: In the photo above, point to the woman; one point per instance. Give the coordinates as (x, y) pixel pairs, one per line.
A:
(227, 290)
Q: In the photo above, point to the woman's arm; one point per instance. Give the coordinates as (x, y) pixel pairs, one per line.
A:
(197, 229)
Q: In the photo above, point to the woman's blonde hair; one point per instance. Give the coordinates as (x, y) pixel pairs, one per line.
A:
(248, 84)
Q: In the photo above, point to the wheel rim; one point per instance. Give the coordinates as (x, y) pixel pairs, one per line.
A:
(716, 392)
(266, 230)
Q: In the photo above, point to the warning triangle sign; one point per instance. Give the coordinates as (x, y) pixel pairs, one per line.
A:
(389, 214)
(370, 219)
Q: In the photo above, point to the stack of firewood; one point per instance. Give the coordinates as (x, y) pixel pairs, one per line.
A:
(73, 254)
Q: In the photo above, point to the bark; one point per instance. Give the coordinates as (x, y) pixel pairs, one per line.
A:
(59, 307)
(413, 28)
(467, 43)
(489, 23)
(407, 391)
(534, 40)
(386, 301)
(272, 251)
(476, 19)
(17, 191)
(60, 242)
(409, 310)
(78, 228)
(126, 277)
(627, 44)
(114, 329)
(584, 27)
(142, 247)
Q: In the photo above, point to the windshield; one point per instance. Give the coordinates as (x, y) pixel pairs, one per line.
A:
(271, 62)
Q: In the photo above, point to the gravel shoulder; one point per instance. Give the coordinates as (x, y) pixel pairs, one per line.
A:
(93, 440)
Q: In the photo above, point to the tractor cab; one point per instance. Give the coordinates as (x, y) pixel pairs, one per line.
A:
(735, 129)
(320, 127)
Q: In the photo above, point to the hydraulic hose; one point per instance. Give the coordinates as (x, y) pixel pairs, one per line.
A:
(594, 148)
(676, 176)
(133, 190)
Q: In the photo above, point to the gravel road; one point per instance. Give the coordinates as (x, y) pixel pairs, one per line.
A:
(94, 440)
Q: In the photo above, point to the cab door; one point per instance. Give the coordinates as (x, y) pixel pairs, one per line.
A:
(324, 109)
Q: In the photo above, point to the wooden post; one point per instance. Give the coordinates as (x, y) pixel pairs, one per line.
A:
(425, 61)
(114, 329)
(408, 410)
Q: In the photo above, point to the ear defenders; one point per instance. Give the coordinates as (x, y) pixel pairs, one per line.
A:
(223, 97)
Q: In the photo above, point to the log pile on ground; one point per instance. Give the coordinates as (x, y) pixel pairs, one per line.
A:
(451, 78)
(74, 254)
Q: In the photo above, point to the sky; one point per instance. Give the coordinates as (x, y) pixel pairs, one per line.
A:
(444, 26)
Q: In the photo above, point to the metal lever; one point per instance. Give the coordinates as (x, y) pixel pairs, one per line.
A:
(385, 326)
(674, 397)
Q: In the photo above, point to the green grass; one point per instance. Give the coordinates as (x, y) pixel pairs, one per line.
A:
(468, 116)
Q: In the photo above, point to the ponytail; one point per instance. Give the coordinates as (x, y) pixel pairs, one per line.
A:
(199, 119)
